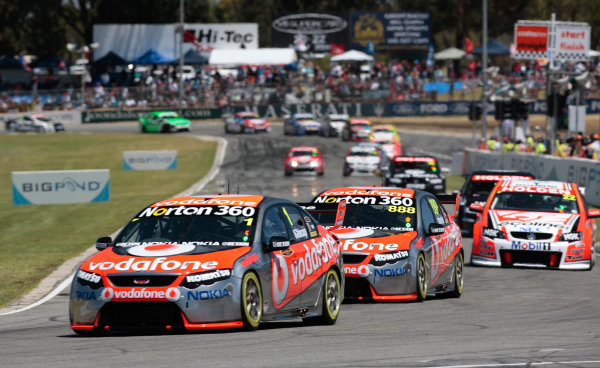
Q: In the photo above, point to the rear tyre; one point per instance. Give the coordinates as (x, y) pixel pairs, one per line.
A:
(11, 126)
(459, 276)
(422, 278)
(331, 301)
(143, 128)
(251, 301)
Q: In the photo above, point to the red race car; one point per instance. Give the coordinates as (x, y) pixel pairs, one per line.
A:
(304, 159)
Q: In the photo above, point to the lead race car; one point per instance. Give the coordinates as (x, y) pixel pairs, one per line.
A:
(398, 244)
(246, 122)
(210, 262)
(534, 223)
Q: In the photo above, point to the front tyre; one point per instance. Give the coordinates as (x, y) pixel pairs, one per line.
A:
(251, 301)
(459, 276)
(331, 300)
(422, 278)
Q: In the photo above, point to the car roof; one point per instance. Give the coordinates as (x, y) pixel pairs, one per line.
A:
(338, 116)
(537, 186)
(364, 148)
(246, 113)
(384, 126)
(304, 115)
(303, 148)
(360, 121)
(415, 159)
(501, 172)
(369, 191)
(212, 199)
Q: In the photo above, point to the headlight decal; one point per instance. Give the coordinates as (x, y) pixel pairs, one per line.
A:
(205, 278)
(90, 279)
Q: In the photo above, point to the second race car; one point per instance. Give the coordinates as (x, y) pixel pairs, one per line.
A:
(163, 122)
(304, 159)
(416, 172)
(246, 122)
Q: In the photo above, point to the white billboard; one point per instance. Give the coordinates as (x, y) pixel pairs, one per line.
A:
(572, 41)
(149, 160)
(61, 186)
(131, 41)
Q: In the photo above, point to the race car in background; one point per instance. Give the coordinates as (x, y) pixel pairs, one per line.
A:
(163, 122)
(416, 172)
(388, 139)
(246, 122)
(364, 159)
(334, 124)
(357, 130)
(34, 123)
(302, 124)
(210, 262)
(398, 244)
(477, 188)
(534, 223)
(305, 159)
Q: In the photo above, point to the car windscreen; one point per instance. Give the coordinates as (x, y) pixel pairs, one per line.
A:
(400, 167)
(362, 153)
(535, 202)
(480, 188)
(208, 228)
(388, 218)
(168, 115)
(303, 153)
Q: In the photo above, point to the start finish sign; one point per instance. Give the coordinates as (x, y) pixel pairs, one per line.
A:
(149, 160)
(57, 187)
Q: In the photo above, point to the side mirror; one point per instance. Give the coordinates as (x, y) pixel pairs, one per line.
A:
(476, 207)
(277, 243)
(435, 229)
(103, 242)
(593, 214)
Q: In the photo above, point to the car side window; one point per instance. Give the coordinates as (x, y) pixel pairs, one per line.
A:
(427, 216)
(273, 225)
(437, 209)
(295, 222)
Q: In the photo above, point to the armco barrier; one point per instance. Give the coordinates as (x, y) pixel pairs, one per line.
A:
(583, 172)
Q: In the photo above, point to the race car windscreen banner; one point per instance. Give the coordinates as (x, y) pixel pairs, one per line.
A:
(131, 41)
(390, 31)
(149, 160)
(309, 32)
(61, 186)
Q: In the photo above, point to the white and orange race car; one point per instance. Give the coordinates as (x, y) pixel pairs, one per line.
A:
(398, 244)
(210, 262)
(534, 223)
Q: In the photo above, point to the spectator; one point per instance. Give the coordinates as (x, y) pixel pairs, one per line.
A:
(593, 149)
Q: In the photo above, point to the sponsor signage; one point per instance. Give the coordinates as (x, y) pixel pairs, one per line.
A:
(57, 187)
(390, 31)
(572, 41)
(309, 32)
(149, 160)
(531, 41)
(552, 40)
(131, 41)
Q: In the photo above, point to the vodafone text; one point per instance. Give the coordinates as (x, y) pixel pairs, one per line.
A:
(160, 263)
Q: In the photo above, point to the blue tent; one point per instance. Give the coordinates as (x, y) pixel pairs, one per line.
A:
(493, 48)
(110, 59)
(152, 57)
(192, 57)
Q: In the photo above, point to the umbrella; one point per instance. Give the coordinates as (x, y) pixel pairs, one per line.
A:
(110, 59)
(152, 57)
(449, 54)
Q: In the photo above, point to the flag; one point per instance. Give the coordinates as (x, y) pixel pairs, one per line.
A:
(468, 46)
(337, 49)
(23, 62)
(370, 48)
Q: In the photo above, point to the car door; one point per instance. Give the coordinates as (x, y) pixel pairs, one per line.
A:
(431, 213)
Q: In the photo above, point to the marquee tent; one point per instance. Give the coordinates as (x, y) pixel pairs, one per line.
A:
(152, 57)
(264, 56)
(352, 55)
(493, 48)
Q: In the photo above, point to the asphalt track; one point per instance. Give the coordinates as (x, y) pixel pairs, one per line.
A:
(505, 318)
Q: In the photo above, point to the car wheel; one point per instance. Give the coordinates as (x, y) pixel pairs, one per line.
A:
(331, 300)
(251, 301)
(165, 128)
(422, 279)
(592, 257)
(459, 275)
(11, 126)
(143, 128)
(288, 173)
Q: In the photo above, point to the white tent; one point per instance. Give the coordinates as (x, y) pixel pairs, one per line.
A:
(352, 55)
(449, 54)
(593, 53)
(266, 56)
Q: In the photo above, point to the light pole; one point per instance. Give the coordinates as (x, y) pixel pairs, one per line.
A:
(180, 53)
(82, 61)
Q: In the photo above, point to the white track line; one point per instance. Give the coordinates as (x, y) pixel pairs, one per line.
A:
(524, 364)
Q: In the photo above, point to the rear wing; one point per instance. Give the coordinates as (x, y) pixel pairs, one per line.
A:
(447, 200)
(338, 208)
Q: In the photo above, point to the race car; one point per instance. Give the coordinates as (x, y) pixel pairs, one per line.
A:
(163, 122)
(210, 262)
(477, 188)
(334, 124)
(398, 244)
(246, 122)
(304, 159)
(302, 124)
(534, 223)
(364, 159)
(384, 133)
(416, 172)
(34, 123)
(357, 130)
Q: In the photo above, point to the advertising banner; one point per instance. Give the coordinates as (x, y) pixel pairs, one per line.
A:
(131, 41)
(149, 160)
(62, 186)
(309, 32)
(390, 31)
(572, 42)
(531, 41)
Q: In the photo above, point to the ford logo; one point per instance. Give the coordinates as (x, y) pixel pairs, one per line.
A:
(141, 281)
(531, 236)
(309, 23)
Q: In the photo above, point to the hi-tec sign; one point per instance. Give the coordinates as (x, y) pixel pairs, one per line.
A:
(63, 186)
(533, 40)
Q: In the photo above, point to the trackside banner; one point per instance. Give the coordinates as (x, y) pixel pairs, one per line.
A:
(584, 172)
(63, 186)
(149, 160)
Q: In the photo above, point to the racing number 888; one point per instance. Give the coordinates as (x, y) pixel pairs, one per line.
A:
(401, 209)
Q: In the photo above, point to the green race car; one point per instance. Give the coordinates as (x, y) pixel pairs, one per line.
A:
(163, 122)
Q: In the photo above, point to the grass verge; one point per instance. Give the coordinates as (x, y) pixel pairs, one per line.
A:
(34, 240)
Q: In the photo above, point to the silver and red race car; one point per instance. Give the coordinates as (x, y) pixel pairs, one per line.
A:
(210, 262)
(534, 223)
(398, 244)
(246, 122)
